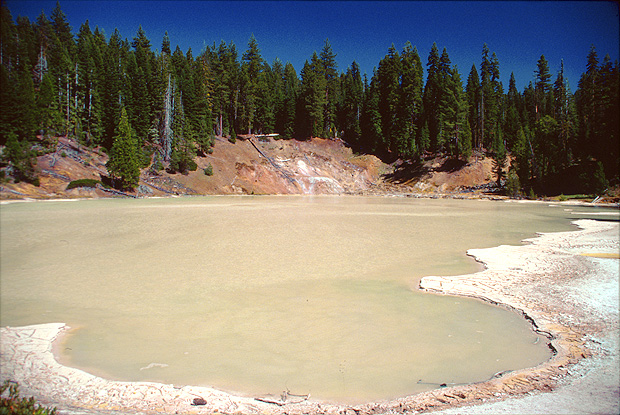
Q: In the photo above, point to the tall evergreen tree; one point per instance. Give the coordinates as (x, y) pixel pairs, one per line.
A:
(312, 99)
(587, 103)
(456, 134)
(490, 97)
(123, 165)
(370, 122)
(252, 68)
(544, 92)
(564, 113)
(353, 93)
(329, 69)
(291, 92)
(277, 73)
(512, 122)
(267, 89)
(410, 105)
(607, 151)
(473, 92)
(388, 82)
(165, 44)
(111, 89)
(432, 96)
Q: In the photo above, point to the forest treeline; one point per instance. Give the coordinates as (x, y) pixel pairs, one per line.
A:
(149, 106)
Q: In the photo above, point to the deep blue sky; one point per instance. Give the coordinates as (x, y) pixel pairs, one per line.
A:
(519, 32)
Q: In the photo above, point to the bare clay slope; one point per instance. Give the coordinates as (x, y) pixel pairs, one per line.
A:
(316, 166)
(252, 166)
(248, 166)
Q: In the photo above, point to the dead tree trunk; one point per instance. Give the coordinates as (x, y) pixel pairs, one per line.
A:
(168, 105)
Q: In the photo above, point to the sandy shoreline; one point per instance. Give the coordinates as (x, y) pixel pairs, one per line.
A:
(569, 296)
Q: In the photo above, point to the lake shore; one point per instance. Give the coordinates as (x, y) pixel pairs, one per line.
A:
(568, 295)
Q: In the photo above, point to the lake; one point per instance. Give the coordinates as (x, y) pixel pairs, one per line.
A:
(258, 295)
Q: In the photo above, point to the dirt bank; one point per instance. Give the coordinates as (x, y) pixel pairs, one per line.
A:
(571, 297)
(248, 166)
(257, 166)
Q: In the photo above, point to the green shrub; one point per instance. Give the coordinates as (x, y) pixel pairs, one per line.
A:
(83, 183)
(513, 186)
(13, 404)
(232, 139)
(23, 159)
(208, 170)
(181, 162)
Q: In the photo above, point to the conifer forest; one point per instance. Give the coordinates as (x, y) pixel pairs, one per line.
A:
(149, 106)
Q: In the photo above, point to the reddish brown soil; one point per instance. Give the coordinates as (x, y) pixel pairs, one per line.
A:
(252, 166)
(284, 167)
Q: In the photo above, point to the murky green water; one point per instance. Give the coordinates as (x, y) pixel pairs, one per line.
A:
(262, 294)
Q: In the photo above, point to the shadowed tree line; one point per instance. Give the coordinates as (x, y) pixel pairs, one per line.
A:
(155, 108)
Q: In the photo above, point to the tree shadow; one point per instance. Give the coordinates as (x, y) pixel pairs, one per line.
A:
(408, 170)
(451, 165)
(405, 171)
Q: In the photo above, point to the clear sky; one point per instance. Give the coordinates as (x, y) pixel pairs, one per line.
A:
(519, 32)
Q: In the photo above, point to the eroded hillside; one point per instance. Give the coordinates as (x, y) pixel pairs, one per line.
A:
(254, 166)
(249, 166)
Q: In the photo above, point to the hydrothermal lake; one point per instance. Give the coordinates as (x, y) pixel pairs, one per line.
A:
(258, 295)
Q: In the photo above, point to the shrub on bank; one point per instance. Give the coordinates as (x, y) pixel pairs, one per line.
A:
(83, 183)
(13, 404)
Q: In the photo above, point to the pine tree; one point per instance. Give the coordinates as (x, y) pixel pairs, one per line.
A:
(512, 122)
(266, 100)
(277, 73)
(202, 111)
(291, 92)
(473, 92)
(329, 68)
(137, 98)
(8, 36)
(50, 119)
(252, 68)
(24, 107)
(490, 98)
(546, 145)
(370, 123)
(448, 103)
(62, 28)
(88, 105)
(61, 65)
(587, 100)
(432, 97)
(388, 82)
(455, 130)
(353, 94)
(565, 116)
(607, 151)
(544, 97)
(410, 105)
(226, 87)
(146, 96)
(111, 89)
(528, 115)
(123, 165)
(312, 99)
(165, 44)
